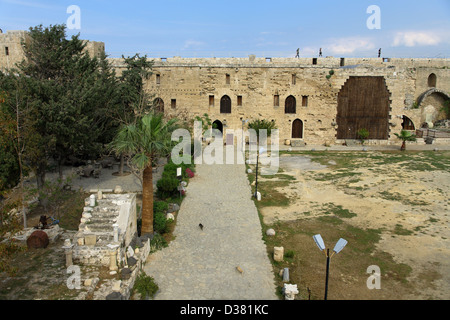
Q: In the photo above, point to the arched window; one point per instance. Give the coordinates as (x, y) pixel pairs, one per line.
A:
(290, 105)
(158, 104)
(225, 104)
(432, 79)
(297, 129)
(407, 124)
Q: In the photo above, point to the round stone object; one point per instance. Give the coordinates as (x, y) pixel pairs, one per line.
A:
(38, 239)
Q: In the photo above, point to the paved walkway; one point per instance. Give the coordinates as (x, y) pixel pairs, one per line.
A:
(201, 264)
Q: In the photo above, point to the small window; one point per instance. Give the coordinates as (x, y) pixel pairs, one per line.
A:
(227, 79)
(211, 101)
(163, 59)
(342, 62)
(158, 79)
(7, 51)
(432, 79)
(268, 59)
(276, 100)
(173, 103)
(304, 101)
(293, 78)
(314, 61)
(239, 101)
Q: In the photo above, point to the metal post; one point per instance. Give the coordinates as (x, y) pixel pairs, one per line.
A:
(328, 269)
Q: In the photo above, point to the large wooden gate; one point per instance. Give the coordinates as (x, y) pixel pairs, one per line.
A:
(363, 103)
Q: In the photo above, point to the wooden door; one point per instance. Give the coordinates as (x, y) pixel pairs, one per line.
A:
(225, 104)
(297, 129)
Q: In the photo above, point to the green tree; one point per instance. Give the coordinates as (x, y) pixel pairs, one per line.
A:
(262, 125)
(143, 141)
(71, 93)
(16, 131)
(133, 101)
(405, 136)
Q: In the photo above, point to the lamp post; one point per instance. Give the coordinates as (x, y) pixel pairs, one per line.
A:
(337, 248)
(260, 151)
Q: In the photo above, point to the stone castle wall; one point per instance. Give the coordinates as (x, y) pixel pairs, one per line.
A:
(11, 51)
(194, 86)
(186, 84)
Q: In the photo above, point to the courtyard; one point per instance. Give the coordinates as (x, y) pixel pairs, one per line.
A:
(391, 206)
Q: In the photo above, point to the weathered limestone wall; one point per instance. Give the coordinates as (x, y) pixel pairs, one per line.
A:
(95, 237)
(186, 84)
(191, 82)
(11, 51)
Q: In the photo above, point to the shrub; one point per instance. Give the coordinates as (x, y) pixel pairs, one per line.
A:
(363, 134)
(160, 206)
(170, 170)
(289, 254)
(158, 242)
(167, 187)
(145, 286)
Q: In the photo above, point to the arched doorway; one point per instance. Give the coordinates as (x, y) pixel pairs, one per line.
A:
(290, 105)
(218, 125)
(297, 129)
(225, 104)
(432, 79)
(158, 105)
(407, 124)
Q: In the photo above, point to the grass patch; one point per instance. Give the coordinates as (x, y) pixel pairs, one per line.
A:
(307, 264)
(399, 230)
(338, 211)
(270, 196)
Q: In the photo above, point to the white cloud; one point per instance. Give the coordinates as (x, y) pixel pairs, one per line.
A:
(416, 38)
(188, 44)
(350, 45)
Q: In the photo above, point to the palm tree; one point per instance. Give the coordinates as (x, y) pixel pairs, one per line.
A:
(148, 138)
(405, 136)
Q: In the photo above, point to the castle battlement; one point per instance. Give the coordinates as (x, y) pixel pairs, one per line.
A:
(316, 100)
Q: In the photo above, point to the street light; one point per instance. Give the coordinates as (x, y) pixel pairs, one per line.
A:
(337, 248)
(260, 151)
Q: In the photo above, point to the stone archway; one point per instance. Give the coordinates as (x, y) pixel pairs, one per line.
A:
(429, 92)
(218, 125)
(158, 105)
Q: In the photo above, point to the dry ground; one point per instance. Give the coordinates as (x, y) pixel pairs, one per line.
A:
(391, 206)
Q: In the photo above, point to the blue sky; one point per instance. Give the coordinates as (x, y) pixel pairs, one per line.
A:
(233, 28)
